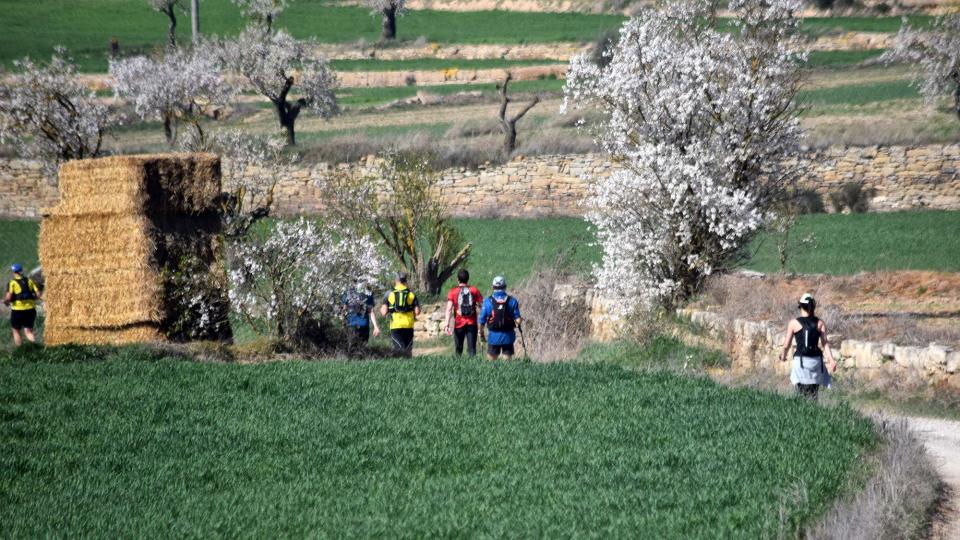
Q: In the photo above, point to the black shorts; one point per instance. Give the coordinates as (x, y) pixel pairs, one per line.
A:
(360, 334)
(23, 318)
(497, 350)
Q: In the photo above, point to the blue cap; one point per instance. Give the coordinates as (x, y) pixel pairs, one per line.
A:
(16, 268)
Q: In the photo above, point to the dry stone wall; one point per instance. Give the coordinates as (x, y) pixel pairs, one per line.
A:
(902, 178)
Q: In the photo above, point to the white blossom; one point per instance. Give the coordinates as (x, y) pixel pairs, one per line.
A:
(48, 114)
(701, 120)
(263, 12)
(380, 5)
(179, 85)
(276, 64)
(295, 275)
(936, 55)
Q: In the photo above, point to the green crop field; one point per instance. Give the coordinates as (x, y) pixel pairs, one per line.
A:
(858, 94)
(425, 64)
(844, 244)
(34, 27)
(118, 443)
(370, 96)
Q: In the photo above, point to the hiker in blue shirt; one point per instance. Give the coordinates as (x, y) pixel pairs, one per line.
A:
(501, 315)
(358, 304)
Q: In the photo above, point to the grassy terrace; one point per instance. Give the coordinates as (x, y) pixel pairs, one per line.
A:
(120, 443)
(34, 27)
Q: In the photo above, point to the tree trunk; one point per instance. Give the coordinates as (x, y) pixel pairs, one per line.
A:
(195, 19)
(287, 115)
(509, 139)
(389, 30)
(172, 28)
(169, 129)
(956, 98)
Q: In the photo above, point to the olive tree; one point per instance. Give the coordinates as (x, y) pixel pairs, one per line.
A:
(276, 65)
(702, 120)
(48, 115)
(935, 52)
(389, 10)
(402, 207)
(176, 86)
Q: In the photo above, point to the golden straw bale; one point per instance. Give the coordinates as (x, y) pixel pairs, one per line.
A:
(126, 232)
(102, 336)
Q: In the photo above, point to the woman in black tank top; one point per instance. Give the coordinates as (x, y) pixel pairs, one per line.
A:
(809, 335)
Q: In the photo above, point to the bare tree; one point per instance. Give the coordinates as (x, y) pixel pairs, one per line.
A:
(403, 208)
(509, 125)
(49, 114)
(167, 8)
(268, 62)
(389, 10)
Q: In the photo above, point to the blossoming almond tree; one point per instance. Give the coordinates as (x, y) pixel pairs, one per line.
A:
(276, 63)
(288, 282)
(389, 10)
(262, 12)
(49, 114)
(701, 120)
(167, 7)
(179, 85)
(936, 54)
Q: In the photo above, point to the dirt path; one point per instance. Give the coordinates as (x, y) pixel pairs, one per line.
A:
(942, 440)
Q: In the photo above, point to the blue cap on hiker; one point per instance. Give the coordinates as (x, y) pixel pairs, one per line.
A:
(499, 282)
(16, 268)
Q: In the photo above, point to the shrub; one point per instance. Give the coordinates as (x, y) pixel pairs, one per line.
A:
(852, 196)
(808, 201)
(556, 317)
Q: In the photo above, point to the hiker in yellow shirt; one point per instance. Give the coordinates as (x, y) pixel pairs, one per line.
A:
(404, 308)
(22, 295)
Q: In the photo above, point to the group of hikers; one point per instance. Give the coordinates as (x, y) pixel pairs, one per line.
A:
(468, 317)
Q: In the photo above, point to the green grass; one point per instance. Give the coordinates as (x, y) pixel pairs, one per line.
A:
(431, 64)
(859, 94)
(367, 97)
(847, 244)
(18, 244)
(840, 59)
(34, 27)
(118, 443)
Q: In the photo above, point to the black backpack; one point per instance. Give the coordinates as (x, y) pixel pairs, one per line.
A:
(356, 303)
(26, 293)
(466, 306)
(501, 319)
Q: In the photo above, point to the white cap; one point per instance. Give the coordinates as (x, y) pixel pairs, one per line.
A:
(807, 298)
(499, 282)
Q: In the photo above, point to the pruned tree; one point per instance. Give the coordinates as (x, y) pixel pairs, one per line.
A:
(935, 52)
(252, 166)
(389, 10)
(275, 63)
(168, 8)
(48, 114)
(176, 86)
(508, 125)
(703, 120)
(287, 282)
(262, 12)
(403, 208)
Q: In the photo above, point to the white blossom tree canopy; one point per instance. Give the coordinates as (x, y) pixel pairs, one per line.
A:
(262, 12)
(179, 85)
(167, 7)
(389, 10)
(936, 54)
(49, 114)
(701, 120)
(276, 64)
(291, 278)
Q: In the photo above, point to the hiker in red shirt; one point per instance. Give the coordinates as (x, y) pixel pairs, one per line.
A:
(466, 300)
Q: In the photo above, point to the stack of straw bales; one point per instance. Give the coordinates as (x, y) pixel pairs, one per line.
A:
(124, 228)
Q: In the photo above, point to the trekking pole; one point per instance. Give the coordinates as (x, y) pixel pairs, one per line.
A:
(523, 342)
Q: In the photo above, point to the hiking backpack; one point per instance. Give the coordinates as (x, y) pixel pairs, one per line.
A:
(466, 305)
(501, 319)
(401, 301)
(26, 293)
(356, 303)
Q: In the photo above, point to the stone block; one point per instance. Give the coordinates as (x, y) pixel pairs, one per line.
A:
(908, 357)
